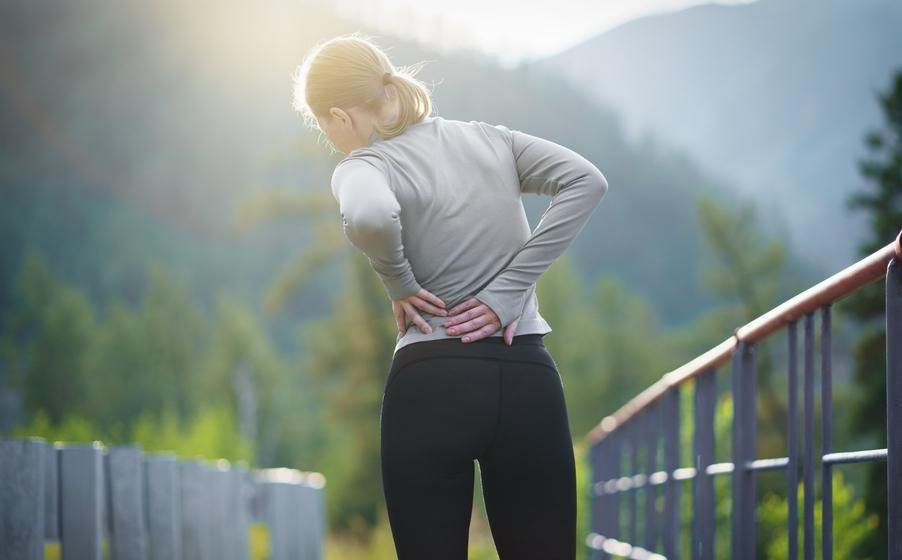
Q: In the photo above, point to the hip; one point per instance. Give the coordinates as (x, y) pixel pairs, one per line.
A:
(525, 348)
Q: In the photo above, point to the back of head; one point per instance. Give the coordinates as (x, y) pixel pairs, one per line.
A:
(349, 71)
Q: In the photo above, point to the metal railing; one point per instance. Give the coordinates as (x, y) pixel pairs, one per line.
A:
(655, 414)
(89, 498)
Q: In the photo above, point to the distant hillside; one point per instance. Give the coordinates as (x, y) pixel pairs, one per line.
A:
(130, 131)
(774, 96)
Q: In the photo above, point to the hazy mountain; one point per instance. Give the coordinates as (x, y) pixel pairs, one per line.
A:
(774, 96)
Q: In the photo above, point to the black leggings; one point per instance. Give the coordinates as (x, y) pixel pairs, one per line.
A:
(447, 403)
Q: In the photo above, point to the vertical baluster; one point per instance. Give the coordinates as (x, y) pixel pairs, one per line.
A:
(601, 498)
(81, 501)
(738, 414)
(164, 506)
(827, 435)
(808, 434)
(196, 526)
(238, 513)
(605, 497)
(616, 460)
(125, 482)
(22, 483)
(703, 483)
(51, 494)
(894, 408)
(750, 375)
(596, 497)
(651, 460)
(223, 535)
(792, 468)
(634, 437)
(744, 450)
(320, 552)
(671, 533)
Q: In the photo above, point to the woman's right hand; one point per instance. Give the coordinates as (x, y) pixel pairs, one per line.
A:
(473, 320)
(423, 300)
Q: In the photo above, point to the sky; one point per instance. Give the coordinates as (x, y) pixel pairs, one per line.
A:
(512, 31)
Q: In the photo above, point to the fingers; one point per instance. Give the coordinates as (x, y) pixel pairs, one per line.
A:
(428, 307)
(480, 326)
(399, 318)
(430, 297)
(415, 317)
(467, 314)
(463, 306)
(480, 333)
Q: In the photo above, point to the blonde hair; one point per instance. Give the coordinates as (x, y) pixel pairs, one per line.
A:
(347, 71)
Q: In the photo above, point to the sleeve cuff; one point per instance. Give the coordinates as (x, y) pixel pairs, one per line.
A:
(400, 288)
(507, 308)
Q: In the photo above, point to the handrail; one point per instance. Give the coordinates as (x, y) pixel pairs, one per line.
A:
(844, 282)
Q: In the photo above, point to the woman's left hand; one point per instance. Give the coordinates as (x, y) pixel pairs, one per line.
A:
(407, 307)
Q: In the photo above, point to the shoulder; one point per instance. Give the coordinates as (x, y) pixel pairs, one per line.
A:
(363, 165)
(367, 156)
(498, 131)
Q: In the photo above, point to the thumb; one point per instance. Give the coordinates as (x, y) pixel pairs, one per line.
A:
(509, 332)
(399, 319)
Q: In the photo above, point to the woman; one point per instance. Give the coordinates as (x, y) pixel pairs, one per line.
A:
(435, 204)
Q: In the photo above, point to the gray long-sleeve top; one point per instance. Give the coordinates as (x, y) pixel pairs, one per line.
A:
(439, 207)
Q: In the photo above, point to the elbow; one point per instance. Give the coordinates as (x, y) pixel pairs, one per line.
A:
(365, 225)
(599, 182)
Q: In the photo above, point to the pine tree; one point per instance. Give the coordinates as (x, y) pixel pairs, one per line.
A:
(883, 203)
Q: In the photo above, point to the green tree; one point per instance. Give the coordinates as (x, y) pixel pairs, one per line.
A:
(882, 201)
(244, 372)
(45, 340)
(350, 355)
(852, 525)
(265, 207)
(608, 344)
(747, 273)
(147, 359)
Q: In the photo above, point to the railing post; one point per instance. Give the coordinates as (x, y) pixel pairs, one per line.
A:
(81, 500)
(808, 434)
(616, 460)
(894, 407)
(596, 504)
(651, 461)
(792, 454)
(51, 493)
(282, 494)
(164, 506)
(196, 525)
(703, 451)
(604, 500)
(125, 483)
(223, 536)
(671, 533)
(238, 513)
(826, 436)
(22, 497)
(634, 435)
(744, 438)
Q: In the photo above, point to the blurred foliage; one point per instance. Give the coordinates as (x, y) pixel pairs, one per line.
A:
(852, 525)
(161, 374)
(881, 201)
